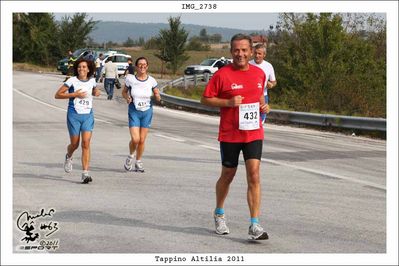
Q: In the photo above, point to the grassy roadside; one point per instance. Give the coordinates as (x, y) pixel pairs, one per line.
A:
(33, 68)
(191, 92)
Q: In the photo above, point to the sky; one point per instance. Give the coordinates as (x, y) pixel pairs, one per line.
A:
(243, 21)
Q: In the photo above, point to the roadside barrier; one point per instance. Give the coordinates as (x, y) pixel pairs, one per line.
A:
(324, 120)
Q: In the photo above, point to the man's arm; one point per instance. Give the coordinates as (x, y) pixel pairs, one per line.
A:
(218, 102)
(116, 71)
(264, 107)
(271, 84)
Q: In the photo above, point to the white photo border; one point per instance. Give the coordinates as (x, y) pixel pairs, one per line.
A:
(388, 7)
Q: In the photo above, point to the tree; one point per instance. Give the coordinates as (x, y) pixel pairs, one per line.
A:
(151, 43)
(171, 45)
(34, 39)
(203, 35)
(129, 42)
(111, 44)
(141, 41)
(74, 31)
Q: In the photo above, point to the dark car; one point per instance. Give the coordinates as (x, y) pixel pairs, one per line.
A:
(91, 54)
(62, 66)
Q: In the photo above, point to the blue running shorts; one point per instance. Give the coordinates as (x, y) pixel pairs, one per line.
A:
(79, 123)
(139, 118)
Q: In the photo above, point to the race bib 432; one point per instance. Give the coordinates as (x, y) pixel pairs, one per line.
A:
(249, 116)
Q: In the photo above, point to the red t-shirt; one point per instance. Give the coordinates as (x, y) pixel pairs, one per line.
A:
(227, 83)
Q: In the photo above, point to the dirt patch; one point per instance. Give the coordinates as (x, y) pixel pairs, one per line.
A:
(127, 49)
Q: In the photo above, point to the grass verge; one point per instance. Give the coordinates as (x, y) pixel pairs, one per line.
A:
(32, 68)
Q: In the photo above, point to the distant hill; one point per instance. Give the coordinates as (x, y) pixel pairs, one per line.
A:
(120, 31)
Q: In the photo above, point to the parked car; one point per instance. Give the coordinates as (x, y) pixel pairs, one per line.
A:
(120, 60)
(62, 65)
(109, 52)
(209, 66)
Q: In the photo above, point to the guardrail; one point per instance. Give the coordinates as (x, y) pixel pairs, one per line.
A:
(185, 80)
(324, 120)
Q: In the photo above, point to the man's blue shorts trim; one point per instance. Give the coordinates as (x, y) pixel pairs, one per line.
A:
(79, 123)
(139, 118)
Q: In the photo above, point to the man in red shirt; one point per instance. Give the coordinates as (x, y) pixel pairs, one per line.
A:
(238, 90)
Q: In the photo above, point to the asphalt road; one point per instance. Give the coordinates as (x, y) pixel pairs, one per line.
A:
(321, 192)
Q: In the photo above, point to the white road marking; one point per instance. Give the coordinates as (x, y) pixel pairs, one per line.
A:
(186, 115)
(318, 172)
(36, 100)
(51, 105)
(171, 138)
(209, 147)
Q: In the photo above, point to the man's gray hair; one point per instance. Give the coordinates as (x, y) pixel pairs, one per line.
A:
(260, 46)
(239, 37)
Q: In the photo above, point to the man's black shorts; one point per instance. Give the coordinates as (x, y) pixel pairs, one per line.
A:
(230, 152)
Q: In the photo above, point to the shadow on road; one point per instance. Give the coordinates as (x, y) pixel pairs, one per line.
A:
(47, 177)
(60, 167)
(97, 217)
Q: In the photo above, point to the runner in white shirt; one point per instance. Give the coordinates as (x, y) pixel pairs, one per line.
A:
(138, 91)
(271, 82)
(80, 90)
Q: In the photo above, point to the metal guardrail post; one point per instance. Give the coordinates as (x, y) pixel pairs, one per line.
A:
(185, 82)
(206, 77)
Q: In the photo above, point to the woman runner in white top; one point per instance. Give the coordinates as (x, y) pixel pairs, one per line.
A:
(80, 90)
(138, 91)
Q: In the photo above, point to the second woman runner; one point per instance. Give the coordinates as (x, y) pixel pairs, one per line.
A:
(138, 91)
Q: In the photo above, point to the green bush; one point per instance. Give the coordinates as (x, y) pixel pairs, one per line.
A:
(321, 65)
